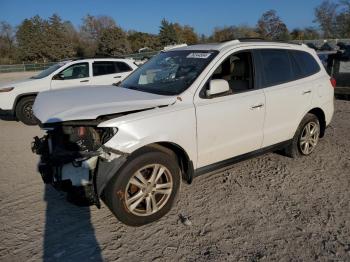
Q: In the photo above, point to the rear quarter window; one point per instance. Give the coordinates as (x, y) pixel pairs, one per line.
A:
(304, 64)
(104, 68)
(123, 67)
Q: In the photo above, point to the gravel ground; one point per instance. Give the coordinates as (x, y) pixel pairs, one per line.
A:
(267, 208)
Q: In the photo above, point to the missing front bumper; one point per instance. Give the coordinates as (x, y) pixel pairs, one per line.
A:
(83, 176)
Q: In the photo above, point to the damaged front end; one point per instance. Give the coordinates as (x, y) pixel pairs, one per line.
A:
(73, 159)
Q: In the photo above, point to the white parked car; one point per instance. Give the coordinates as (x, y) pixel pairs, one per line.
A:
(186, 112)
(16, 99)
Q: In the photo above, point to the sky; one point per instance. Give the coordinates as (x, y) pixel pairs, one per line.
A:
(145, 16)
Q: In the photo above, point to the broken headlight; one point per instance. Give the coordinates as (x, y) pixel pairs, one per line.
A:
(83, 138)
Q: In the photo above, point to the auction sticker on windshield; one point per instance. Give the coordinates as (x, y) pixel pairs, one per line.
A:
(198, 55)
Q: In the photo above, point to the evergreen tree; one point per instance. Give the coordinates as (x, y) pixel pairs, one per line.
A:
(59, 43)
(31, 39)
(167, 33)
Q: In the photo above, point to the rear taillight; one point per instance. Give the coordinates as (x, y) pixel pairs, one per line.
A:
(333, 82)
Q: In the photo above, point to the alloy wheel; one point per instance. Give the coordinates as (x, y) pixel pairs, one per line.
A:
(309, 137)
(148, 190)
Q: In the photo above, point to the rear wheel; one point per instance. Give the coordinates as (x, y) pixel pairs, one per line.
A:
(24, 111)
(144, 189)
(306, 137)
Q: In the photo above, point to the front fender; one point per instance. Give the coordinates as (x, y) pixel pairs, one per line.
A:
(172, 126)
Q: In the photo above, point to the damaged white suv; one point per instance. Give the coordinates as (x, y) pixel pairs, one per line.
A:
(186, 112)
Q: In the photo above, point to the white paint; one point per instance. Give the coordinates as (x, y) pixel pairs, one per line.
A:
(209, 130)
(89, 103)
(33, 86)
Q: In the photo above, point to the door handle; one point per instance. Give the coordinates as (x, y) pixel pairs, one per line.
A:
(257, 106)
(84, 81)
(306, 92)
(117, 77)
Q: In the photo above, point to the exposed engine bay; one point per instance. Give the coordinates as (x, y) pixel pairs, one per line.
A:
(72, 155)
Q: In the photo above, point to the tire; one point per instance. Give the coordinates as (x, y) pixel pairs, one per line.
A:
(128, 194)
(301, 138)
(24, 111)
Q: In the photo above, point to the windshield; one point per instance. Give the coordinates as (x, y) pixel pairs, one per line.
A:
(169, 73)
(49, 70)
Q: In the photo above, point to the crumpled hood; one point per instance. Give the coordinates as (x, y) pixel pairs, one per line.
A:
(84, 103)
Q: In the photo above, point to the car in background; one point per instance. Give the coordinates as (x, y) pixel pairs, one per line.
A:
(16, 99)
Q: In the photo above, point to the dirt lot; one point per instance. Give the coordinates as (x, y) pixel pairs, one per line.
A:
(267, 208)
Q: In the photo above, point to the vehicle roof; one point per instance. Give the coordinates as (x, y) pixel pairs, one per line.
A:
(101, 59)
(241, 42)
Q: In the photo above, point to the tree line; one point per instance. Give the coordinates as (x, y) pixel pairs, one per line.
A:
(42, 40)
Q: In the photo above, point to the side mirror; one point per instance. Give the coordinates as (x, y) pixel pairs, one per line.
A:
(58, 77)
(217, 86)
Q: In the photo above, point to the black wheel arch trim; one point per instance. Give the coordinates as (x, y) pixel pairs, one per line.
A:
(319, 113)
(19, 97)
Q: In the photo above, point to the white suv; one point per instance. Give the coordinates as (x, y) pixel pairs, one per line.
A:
(186, 112)
(16, 99)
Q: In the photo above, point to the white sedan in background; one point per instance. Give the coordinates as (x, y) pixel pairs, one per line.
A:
(16, 99)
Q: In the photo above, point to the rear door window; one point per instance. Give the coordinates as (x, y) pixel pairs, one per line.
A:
(109, 67)
(104, 68)
(304, 64)
(276, 67)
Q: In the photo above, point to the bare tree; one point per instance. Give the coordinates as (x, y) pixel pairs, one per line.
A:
(325, 16)
(91, 30)
(7, 40)
(270, 26)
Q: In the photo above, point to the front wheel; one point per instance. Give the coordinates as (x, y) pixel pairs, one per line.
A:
(144, 190)
(24, 111)
(306, 137)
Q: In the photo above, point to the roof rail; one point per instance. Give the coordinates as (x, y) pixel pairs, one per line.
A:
(250, 39)
(243, 39)
(97, 57)
(266, 41)
(255, 39)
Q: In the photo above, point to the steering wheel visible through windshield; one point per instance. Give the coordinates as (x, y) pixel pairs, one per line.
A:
(169, 73)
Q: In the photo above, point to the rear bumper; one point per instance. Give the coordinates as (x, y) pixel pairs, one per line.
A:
(328, 108)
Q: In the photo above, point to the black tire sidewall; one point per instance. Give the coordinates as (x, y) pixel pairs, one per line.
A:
(115, 190)
(20, 108)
